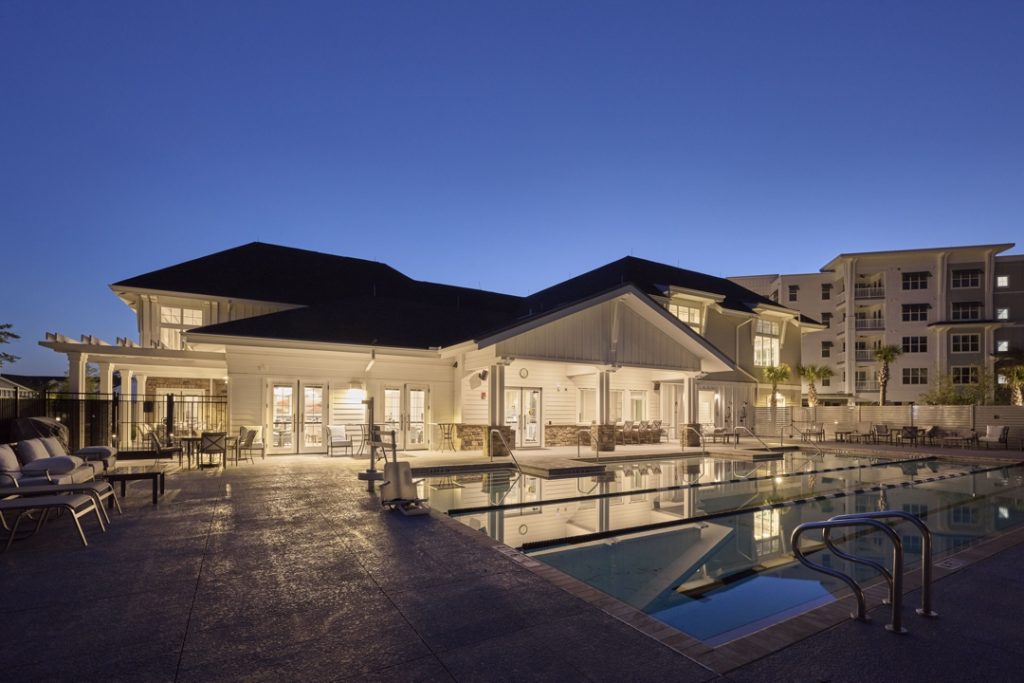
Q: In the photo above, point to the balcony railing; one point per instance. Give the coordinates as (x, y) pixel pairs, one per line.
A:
(867, 385)
(865, 355)
(868, 292)
(869, 323)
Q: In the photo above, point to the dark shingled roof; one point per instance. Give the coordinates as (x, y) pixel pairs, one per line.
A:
(354, 301)
(371, 321)
(247, 272)
(649, 277)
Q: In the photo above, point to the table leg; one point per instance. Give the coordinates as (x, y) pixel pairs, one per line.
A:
(124, 487)
(163, 482)
(155, 485)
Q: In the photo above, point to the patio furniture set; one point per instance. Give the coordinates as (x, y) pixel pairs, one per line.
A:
(38, 479)
(640, 432)
(931, 435)
(209, 449)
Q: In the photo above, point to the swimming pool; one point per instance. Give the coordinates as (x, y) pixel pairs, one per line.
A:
(707, 552)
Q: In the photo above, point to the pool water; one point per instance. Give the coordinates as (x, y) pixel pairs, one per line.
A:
(702, 543)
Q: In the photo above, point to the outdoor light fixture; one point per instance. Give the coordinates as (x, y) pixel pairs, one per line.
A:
(373, 359)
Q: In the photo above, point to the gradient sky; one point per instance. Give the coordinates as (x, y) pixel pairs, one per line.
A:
(500, 145)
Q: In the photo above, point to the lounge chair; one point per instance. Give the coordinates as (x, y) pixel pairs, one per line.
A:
(76, 505)
(398, 490)
(337, 437)
(881, 432)
(816, 432)
(99, 491)
(36, 466)
(995, 434)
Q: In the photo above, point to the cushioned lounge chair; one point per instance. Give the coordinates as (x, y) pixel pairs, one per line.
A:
(100, 491)
(37, 467)
(337, 437)
(998, 435)
(76, 505)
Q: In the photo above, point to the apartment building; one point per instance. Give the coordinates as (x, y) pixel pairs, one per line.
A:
(948, 308)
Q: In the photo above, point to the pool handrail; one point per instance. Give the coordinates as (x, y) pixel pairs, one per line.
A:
(511, 453)
(895, 624)
(747, 430)
(807, 441)
(593, 443)
(925, 610)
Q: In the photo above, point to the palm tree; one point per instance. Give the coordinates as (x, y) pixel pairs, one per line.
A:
(885, 355)
(773, 374)
(1015, 378)
(5, 337)
(813, 374)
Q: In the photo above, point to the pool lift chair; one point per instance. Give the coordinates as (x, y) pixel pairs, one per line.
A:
(398, 490)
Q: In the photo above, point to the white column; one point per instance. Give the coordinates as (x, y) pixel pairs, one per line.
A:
(140, 383)
(126, 383)
(604, 396)
(496, 395)
(106, 378)
(76, 372)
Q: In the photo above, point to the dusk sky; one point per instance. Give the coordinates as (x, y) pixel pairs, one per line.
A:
(498, 145)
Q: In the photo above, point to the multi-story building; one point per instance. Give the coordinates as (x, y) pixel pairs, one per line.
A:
(948, 309)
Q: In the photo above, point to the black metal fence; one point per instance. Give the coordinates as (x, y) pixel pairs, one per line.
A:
(127, 423)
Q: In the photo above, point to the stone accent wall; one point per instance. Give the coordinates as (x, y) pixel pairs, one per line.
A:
(604, 435)
(499, 447)
(565, 435)
(470, 437)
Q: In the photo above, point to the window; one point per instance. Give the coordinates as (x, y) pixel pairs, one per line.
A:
(964, 279)
(588, 406)
(915, 344)
(766, 343)
(1002, 281)
(638, 405)
(918, 509)
(826, 319)
(1002, 346)
(174, 320)
(1000, 378)
(964, 343)
(966, 310)
(915, 375)
(1002, 314)
(826, 349)
(965, 374)
(826, 292)
(826, 381)
(963, 514)
(793, 289)
(688, 314)
(915, 280)
(615, 409)
(915, 312)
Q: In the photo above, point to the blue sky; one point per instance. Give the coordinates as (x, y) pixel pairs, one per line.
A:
(501, 145)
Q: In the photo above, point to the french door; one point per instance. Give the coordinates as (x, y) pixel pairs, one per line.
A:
(297, 417)
(522, 413)
(405, 413)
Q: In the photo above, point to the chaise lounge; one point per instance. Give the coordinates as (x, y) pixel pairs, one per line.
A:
(998, 435)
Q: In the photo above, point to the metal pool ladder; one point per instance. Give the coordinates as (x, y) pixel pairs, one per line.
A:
(894, 579)
(519, 470)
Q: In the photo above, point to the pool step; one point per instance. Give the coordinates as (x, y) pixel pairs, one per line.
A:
(559, 468)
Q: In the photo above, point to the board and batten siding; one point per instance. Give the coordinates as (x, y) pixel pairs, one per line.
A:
(586, 337)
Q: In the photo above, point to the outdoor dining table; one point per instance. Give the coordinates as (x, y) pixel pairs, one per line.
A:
(447, 430)
(191, 445)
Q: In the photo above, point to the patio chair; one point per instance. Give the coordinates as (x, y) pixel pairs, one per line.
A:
(337, 437)
(161, 449)
(996, 434)
(211, 444)
(398, 490)
(907, 435)
(246, 445)
(76, 505)
(881, 432)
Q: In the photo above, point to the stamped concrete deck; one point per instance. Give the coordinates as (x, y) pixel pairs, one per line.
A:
(287, 570)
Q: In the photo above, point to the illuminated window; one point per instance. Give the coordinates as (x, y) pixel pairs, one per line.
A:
(767, 344)
(1002, 281)
(687, 313)
(174, 320)
(588, 406)
(1002, 314)
(638, 405)
(1002, 346)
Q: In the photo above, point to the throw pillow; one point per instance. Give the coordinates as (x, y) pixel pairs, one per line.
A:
(61, 464)
(32, 449)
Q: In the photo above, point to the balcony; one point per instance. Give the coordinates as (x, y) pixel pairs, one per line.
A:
(869, 323)
(866, 385)
(868, 292)
(865, 355)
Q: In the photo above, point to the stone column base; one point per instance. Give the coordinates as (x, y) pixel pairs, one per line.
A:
(499, 447)
(603, 436)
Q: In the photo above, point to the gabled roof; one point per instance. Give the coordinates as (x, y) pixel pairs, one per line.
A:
(269, 272)
(649, 277)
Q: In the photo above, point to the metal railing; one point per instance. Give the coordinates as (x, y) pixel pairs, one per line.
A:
(894, 579)
(862, 355)
(869, 324)
(868, 292)
(747, 430)
(700, 437)
(804, 438)
(895, 585)
(511, 454)
(866, 385)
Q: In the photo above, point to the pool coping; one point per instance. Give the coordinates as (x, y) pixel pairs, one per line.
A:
(736, 653)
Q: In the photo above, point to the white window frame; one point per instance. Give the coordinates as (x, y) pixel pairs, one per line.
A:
(957, 373)
(969, 278)
(688, 313)
(1002, 281)
(965, 343)
(915, 375)
(915, 280)
(635, 396)
(587, 405)
(965, 310)
(914, 344)
(913, 313)
(177, 319)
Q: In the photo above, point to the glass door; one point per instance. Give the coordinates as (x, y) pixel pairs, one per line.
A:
(405, 412)
(312, 419)
(523, 414)
(282, 419)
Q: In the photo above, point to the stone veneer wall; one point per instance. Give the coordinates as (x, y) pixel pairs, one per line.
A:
(565, 435)
(474, 438)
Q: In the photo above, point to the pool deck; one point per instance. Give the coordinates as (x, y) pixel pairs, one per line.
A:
(288, 570)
